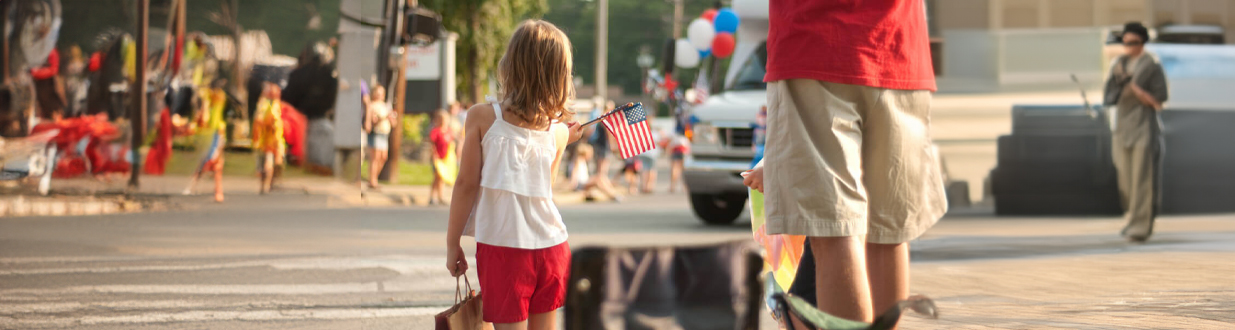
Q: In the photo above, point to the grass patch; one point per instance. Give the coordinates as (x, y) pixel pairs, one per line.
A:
(242, 163)
(410, 173)
(235, 163)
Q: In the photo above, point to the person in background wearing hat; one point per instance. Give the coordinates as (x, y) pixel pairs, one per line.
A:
(1137, 89)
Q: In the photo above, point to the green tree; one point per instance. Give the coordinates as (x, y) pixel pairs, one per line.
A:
(484, 27)
(632, 24)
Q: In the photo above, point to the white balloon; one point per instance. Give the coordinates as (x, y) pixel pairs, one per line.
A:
(700, 33)
(685, 55)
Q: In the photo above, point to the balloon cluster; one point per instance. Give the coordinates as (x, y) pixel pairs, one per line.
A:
(709, 35)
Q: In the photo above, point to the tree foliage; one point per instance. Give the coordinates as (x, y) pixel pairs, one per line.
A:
(483, 27)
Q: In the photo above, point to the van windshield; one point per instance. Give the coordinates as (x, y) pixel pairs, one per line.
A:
(750, 77)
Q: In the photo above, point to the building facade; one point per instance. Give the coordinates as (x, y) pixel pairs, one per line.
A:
(1043, 42)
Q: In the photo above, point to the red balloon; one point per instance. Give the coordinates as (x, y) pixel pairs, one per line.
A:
(722, 45)
(709, 15)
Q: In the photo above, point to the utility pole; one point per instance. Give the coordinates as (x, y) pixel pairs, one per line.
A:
(602, 49)
(677, 18)
(137, 117)
(396, 89)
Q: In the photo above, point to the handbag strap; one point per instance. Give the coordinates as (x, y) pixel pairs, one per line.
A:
(459, 296)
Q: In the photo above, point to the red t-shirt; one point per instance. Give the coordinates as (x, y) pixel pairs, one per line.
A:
(877, 43)
(441, 141)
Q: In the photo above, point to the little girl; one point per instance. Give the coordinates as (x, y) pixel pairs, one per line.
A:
(503, 195)
(445, 164)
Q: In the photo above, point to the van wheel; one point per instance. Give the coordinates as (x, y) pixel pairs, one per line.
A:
(718, 209)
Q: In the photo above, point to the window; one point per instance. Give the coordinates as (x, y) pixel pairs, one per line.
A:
(750, 76)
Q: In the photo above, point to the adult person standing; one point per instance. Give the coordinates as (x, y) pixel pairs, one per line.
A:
(1136, 88)
(848, 158)
(379, 121)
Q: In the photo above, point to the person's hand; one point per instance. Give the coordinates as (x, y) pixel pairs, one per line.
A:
(576, 132)
(753, 179)
(456, 262)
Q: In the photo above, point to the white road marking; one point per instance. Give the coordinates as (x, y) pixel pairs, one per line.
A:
(214, 316)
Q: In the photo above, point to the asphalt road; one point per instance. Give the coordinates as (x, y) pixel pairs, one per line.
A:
(289, 262)
(281, 261)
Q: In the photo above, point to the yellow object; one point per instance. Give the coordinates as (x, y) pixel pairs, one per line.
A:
(216, 102)
(130, 59)
(782, 252)
(268, 126)
(448, 167)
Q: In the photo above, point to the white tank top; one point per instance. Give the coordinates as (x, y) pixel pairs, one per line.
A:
(515, 208)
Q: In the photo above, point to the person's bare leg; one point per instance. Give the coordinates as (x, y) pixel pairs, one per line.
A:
(267, 172)
(888, 269)
(842, 287)
(218, 182)
(434, 188)
(542, 321)
(675, 175)
(193, 182)
(375, 167)
(511, 326)
(649, 181)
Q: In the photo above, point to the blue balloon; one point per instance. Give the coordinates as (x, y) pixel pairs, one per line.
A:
(705, 53)
(726, 21)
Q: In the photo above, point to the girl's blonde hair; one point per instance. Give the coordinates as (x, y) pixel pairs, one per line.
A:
(535, 73)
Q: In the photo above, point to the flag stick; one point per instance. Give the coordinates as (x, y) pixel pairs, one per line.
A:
(615, 110)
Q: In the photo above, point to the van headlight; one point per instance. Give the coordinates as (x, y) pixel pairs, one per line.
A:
(704, 133)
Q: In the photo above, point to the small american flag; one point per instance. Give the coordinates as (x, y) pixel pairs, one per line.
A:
(631, 129)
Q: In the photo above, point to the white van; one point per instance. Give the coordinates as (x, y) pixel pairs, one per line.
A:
(723, 135)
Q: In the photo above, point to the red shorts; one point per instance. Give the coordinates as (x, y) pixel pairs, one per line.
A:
(517, 282)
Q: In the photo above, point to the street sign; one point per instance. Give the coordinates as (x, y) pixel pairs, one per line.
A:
(424, 62)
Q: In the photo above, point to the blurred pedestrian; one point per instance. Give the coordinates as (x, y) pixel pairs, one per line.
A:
(579, 174)
(504, 193)
(631, 167)
(268, 139)
(848, 161)
(647, 174)
(445, 164)
(678, 147)
(379, 121)
(1136, 88)
(49, 89)
(599, 138)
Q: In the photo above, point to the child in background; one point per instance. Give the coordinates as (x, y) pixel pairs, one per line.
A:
(630, 171)
(504, 194)
(378, 123)
(679, 146)
(445, 165)
(579, 175)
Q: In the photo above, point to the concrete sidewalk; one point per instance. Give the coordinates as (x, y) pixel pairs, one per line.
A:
(88, 196)
(1076, 273)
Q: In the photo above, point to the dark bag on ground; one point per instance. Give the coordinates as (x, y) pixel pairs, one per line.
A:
(814, 319)
(689, 288)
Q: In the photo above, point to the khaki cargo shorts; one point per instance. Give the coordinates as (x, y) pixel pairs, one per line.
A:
(847, 160)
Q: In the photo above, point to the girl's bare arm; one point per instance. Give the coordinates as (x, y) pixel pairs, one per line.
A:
(467, 187)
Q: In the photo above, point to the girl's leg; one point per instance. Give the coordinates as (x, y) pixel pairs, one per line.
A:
(675, 175)
(218, 181)
(193, 182)
(374, 168)
(649, 181)
(511, 326)
(267, 172)
(542, 321)
(435, 190)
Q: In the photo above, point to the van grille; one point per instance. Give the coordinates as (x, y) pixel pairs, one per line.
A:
(737, 137)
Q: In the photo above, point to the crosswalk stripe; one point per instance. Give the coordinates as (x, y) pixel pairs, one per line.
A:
(207, 316)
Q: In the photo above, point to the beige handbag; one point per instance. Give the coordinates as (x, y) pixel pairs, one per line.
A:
(466, 314)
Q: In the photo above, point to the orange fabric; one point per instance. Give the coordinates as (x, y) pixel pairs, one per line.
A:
(295, 125)
(161, 151)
